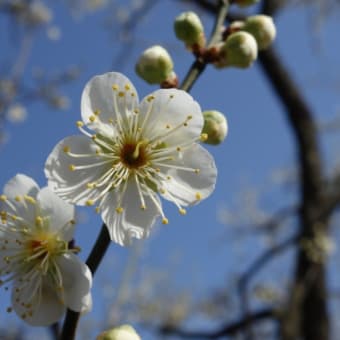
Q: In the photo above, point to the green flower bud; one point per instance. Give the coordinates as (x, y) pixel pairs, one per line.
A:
(215, 127)
(239, 50)
(245, 3)
(262, 28)
(188, 28)
(124, 332)
(155, 65)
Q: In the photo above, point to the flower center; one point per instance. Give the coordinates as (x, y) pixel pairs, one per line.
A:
(134, 155)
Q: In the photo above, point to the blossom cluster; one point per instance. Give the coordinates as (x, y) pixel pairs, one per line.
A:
(130, 154)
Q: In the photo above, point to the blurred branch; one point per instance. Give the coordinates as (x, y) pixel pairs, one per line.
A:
(227, 330)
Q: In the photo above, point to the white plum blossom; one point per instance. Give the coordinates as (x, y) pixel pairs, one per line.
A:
(36, 228)
(137, 153)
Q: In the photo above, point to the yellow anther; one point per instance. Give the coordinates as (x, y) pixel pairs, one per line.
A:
(93, 137)
(182, 211)
(185, 124)
(136, 111)
(72, 167)
(14, 217)
(127, 87)
(168, 126)
(198, 196)
(17, 198)
(168, 177)
(39, 221)
(66, 149)
(150, 98)
(3, 198)
(80, 123)
(89, 185)
(178, 149)
(89, 202)
(133, 94)
(119, 210)
(197, 171)
(115, 87)
(189, 117)
(165, 220)
(121, 94)
(143, 207)
(98, 151)
(158, 170)
(92, 119)
(96, 112)
(162, 191)
(203, 137)
(73, 222)
(171, 96)
(97, 210)
(30, 199)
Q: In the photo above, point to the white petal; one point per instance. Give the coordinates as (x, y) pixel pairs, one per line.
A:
(15, 190)
(48, 311)
(21, 185)
(170, 109)
(60, 213)
(77, 282)
(133, 222)
(98, 95)
(186, 186)
(72, 185)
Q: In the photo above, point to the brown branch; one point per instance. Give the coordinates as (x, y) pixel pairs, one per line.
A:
(227, 330)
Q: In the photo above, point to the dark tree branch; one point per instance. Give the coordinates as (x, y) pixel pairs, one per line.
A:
(227, 330)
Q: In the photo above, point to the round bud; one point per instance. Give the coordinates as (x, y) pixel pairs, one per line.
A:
(215, 127)
(262, 28)
(154, 65)
(188, 28)
(245, 3)
(239, 50)
(125, 332)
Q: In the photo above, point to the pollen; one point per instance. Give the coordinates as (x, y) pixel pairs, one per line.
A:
(121, 94)
(66, 149)
(96, 112)
(3, 198)
(119, 210)
(198, 196)
(165, 220)
(127, 87)
(72, 167)
(182, 211)
(92, 119)
(30, 199)
(203, 137)
(79, 123)
(150, 98)
(115, 87)
(18, 198)
(89, 202)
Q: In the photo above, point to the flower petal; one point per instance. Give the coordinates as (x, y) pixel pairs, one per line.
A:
(16, 189)
(167, 113)
(72, 186)
(189, 187)
(132, 222)
(77, 282)
(45, 312)
(60, 213)
(21, 185)
(100, 97)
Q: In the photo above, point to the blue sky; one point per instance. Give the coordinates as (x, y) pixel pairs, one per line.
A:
(206, 251)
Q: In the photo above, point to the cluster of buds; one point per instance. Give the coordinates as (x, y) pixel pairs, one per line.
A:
(244, 39)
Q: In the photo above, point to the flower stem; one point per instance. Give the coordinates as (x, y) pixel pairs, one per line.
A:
(97, 253)
(200, 64)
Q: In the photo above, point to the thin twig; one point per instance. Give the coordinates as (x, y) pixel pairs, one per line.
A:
(199, 64)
